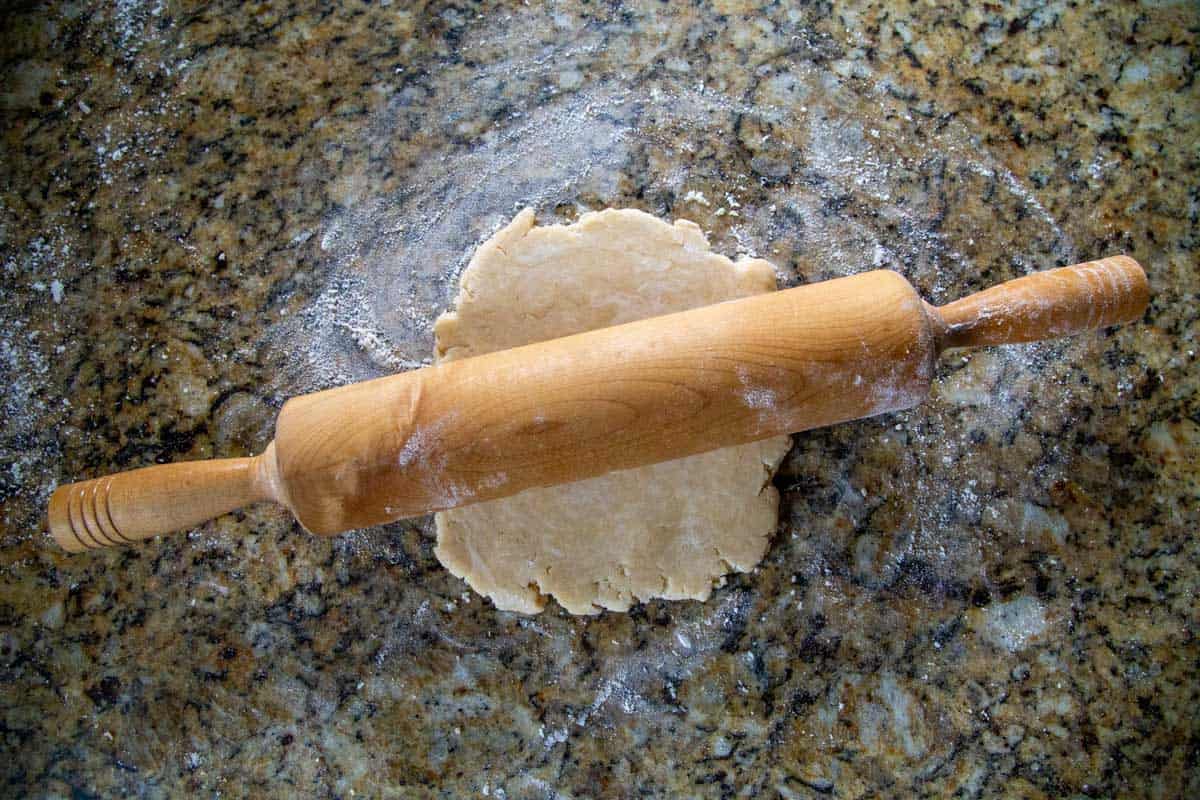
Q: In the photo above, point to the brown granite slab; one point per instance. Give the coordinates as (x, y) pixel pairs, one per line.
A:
(207, 208)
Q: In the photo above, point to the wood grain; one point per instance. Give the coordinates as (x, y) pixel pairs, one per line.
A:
(130, 506)
(1050, 304)
(572, 408)
(615, 398)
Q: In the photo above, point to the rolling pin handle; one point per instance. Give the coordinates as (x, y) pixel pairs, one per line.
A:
(130, 506)
(1048, 305)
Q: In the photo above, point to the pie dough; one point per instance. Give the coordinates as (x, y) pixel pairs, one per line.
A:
(667, 530)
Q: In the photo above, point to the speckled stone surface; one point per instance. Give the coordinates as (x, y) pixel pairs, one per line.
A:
(207, 208)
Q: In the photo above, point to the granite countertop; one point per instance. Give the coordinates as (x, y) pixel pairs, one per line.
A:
(206, 209)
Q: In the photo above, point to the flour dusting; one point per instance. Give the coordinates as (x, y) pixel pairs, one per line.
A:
(839, 176)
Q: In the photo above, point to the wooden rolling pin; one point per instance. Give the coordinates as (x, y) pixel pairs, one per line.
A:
(580, 406)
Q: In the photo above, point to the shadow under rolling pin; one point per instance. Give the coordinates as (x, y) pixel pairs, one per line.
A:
(573, 408)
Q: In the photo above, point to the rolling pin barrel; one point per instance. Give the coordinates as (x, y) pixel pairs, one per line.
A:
(572, 408)
(616, 398)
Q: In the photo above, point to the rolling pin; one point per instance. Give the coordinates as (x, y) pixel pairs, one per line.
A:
(572, 408)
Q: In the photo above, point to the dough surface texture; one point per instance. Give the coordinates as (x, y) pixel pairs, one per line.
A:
(666, 530)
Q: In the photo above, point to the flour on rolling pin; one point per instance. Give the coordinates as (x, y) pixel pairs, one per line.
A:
(666, 530)
(421, 447)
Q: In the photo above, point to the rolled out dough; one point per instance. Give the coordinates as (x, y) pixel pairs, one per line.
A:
(666, 530)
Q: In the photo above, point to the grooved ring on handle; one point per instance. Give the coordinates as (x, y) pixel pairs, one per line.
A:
(84, 520)
(103, 513)
(78, 523)
(87, 511)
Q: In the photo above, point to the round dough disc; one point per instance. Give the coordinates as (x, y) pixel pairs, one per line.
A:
(666, 530)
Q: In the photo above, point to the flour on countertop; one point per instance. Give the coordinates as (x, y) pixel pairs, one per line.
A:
(396, 259)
